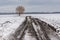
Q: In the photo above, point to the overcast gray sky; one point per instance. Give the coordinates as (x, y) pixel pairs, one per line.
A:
(30, 5)
(29, 2)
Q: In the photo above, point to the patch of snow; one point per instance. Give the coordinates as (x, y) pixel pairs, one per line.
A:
(6, 28)
(52, 19)
(9, 25)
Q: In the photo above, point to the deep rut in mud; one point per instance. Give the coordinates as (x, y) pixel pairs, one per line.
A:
(34, 29)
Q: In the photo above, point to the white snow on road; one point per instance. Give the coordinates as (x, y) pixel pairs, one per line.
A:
(8, 23)
(52, 19)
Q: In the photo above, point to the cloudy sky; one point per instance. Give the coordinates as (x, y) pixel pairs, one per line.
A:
(30, 5)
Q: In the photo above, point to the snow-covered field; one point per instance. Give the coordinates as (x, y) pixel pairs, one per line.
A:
(8, 24)
(52, 19)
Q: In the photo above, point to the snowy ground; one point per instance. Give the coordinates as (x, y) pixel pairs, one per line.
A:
(8, 23)
(52, 19)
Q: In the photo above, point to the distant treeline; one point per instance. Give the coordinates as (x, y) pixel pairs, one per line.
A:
(31, 13)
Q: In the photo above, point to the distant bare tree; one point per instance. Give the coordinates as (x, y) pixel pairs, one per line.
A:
(20, 10)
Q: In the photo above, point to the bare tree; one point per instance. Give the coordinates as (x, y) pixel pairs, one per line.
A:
(20, 10)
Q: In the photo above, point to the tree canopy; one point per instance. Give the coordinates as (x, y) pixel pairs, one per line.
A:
(20, 9)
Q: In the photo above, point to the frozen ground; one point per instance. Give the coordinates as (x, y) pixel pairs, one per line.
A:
(52, 19)
(8, 26)
(8, 23)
